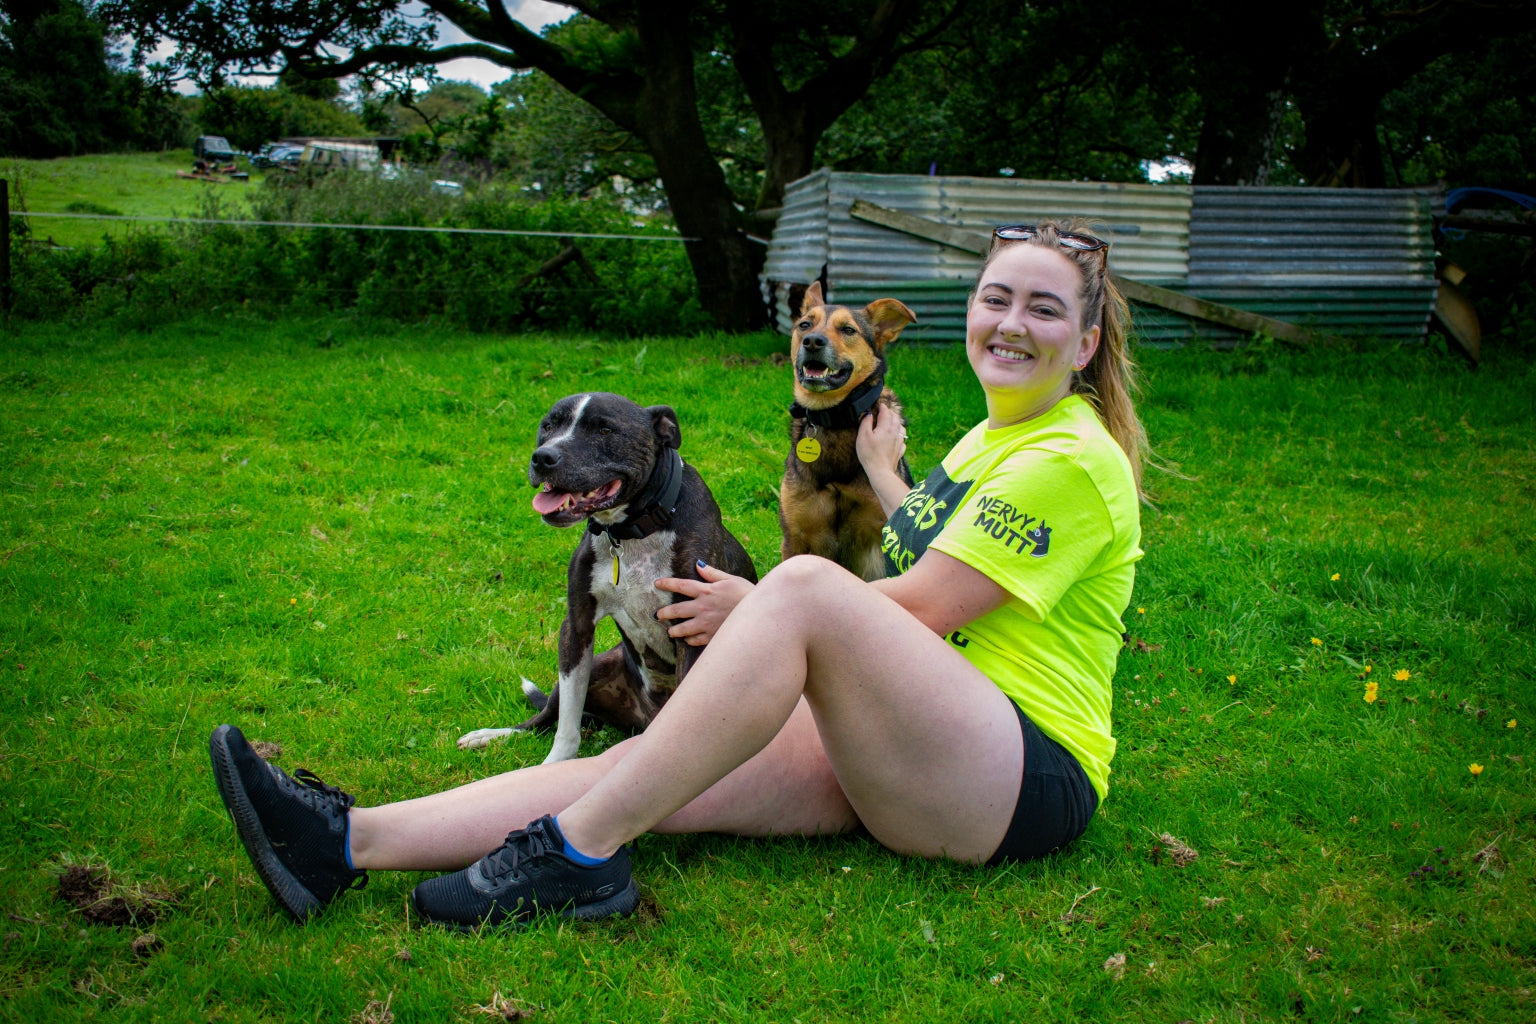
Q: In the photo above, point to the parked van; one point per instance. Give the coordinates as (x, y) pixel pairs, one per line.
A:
(213, 147)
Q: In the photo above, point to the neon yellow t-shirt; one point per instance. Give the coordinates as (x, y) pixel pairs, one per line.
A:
(1048, 509)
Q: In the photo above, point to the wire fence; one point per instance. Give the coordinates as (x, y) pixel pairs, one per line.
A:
(430, 229)
(487, 275)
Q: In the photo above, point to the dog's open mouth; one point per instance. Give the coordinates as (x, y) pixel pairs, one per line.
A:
(562, 508)
(818, 376)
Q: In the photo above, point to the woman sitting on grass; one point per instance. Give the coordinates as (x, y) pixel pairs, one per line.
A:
(959, 708)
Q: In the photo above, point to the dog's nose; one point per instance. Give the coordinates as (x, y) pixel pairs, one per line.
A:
(545, 459)
(813, 342)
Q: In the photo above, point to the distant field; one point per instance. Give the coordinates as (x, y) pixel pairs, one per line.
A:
(131, 184)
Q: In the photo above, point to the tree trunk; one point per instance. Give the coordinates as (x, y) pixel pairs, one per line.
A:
(1339, 96)
(1244, 58)
(790, 152)
(1342, 147)
(1237, 137)
(725, 263)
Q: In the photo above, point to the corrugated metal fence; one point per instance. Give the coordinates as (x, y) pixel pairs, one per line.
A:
(1344, 261)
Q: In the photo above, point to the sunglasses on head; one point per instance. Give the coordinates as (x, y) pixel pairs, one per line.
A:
(1069, 239)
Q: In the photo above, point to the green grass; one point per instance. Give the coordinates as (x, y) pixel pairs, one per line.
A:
(125, 184)
(321, 531)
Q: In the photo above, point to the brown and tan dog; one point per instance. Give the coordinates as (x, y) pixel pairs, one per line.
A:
(827, 506)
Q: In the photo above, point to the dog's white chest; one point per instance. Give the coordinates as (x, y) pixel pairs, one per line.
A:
(633, 600)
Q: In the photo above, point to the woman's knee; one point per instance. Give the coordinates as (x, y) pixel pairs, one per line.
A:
(802, 578)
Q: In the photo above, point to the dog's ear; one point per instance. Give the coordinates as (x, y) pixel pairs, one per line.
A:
(812, 298)
(887, 317)
(664, 423)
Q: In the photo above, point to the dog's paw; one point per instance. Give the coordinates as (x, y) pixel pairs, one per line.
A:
(563, 751)
(483, 738)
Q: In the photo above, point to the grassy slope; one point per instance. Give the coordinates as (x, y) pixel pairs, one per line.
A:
(331, 546)
(132, 184)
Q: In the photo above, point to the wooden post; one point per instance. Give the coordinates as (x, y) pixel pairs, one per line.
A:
(5, 247)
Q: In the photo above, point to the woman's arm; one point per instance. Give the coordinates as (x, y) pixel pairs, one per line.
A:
(943, 592)
(881, 443)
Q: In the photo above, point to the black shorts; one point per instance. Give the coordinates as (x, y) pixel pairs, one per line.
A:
(1055, 799)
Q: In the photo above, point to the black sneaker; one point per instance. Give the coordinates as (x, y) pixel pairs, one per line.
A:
(295, 829)
(530, 874)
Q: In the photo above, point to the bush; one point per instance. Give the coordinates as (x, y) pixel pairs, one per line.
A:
(484, 282)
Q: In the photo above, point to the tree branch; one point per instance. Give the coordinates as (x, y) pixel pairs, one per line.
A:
(397, 55)
(613, 94)
(824, 97)
(1453, 29)
(928, 39)
(827, 95)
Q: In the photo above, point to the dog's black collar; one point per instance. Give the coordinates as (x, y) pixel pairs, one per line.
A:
(846, 413)
(654, 506)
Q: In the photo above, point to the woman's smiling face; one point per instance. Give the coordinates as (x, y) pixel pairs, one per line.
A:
(1023, 331)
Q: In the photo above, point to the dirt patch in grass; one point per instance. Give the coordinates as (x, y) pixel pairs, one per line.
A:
(648, 912)
(505, 1008)
(147, 945)
(376, 1012)
(1176, 850)
(102, 899)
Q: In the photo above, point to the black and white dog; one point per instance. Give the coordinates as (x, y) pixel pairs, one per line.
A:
(604, 460)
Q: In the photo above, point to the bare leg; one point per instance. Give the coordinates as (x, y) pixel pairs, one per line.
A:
(787, 789)
(926, 748)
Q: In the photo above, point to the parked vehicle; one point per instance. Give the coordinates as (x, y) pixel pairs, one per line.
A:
(398, 172)
(213, 149)
(328, 154)
(277, 154)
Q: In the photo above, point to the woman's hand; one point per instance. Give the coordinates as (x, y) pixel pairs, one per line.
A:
(881, 444)
(696, 621)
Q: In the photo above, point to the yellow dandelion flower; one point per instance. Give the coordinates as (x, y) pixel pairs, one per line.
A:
(1334, 577)
(1401, 675)
(1367, 670)
(1141, 611)
(1370, 693)
(1509, 724)
(1475, 768)
(1316, 642)
(293, 600)
(1231, 680)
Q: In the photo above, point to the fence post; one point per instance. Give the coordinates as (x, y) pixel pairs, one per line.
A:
(5, 247)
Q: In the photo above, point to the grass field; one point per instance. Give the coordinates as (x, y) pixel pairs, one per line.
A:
(320, 531)
(125, 184)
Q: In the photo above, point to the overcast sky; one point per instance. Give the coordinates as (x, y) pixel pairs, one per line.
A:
(535, 14)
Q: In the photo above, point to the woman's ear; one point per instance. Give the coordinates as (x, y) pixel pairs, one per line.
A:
(1089, 345)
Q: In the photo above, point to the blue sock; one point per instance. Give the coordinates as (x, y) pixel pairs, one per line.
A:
(346, 845)
(575, 854)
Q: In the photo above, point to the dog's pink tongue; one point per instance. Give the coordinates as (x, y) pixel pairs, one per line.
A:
(545, 502)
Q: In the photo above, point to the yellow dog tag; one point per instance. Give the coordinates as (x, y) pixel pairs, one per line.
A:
(808, 450)
(615, 567)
